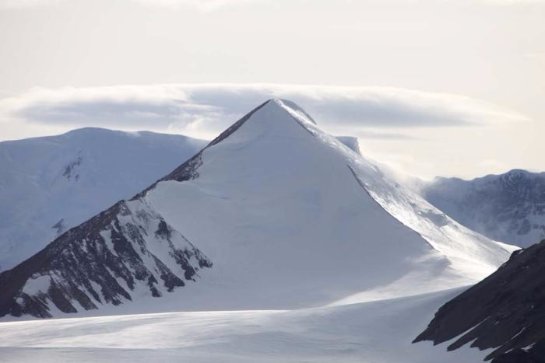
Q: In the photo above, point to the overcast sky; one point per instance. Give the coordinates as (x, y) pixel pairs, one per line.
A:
(444, 87)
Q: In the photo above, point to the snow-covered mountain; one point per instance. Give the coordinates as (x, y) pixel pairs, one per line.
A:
(50, 184)
(508, 207)
(273, 213)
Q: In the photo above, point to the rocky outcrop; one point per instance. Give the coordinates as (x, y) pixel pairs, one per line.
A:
(103, 261)
(505, 311)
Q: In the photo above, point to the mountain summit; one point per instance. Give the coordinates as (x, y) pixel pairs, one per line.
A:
(273, 213)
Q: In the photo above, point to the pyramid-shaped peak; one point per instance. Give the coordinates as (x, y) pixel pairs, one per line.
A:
(275, 114)
(279, 106)
(272, 199)
(270, 113)
(290, 107)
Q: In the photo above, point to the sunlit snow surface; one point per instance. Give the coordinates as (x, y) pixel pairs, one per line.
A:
(293, 218)
(317, 256)
(366, 332)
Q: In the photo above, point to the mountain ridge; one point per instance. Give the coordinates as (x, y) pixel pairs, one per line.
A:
(49, 184)
(508, 207)
(270, 207)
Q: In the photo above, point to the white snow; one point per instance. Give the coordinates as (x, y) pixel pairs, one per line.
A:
(72, 177)
(293, 218)
(366, 332)
(505, 207)
(318, 257)
(107, 235)
(37, 284)
(351, 142)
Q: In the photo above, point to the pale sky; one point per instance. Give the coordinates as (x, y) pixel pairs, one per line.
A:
(444, 87)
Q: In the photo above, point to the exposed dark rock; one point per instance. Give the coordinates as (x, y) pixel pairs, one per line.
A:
(70, 169)
(519, 356)
(534, 354)
(100, 262)
(59, 226)
(505, 311)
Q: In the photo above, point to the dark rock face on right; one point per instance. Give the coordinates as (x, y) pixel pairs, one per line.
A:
(505, 311)
(536, 354)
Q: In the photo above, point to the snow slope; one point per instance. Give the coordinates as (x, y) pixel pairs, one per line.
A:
(288, 216)
(373, 332)
(50, 184)
(509, 207)
(315, 254)
(291, 217)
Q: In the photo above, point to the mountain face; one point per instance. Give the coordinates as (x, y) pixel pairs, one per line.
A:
(51, 184)
(505, 312)
(508, 207)
(272, 214)
(123, 250)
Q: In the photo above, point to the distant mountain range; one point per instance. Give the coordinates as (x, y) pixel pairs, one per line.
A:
(509, 207)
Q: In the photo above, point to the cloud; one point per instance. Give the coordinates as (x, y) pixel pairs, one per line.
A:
(369, 134)
(205, 110)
